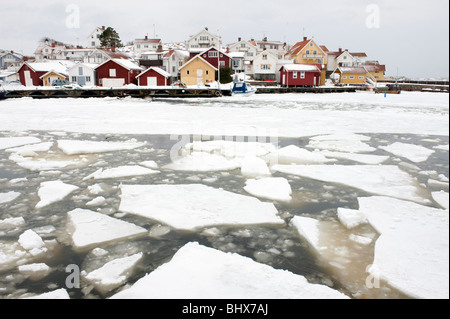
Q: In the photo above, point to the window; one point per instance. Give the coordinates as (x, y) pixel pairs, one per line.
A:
(351, 77)
(93, 43)
(315, 52)
(80, 71)
(222, 64)
(173, 69)
(307, 51)
(264, 57)
(344, 77)
(242, 45)
(213, 54)
(187, 72)
(207, 72)
(361, 77)
(88, 79)
(302, 75)
(112, 73)
(345, 57)
(265, 66)
(294, 75)
(311, 44)
(74, 79)
(138, 46)
(236, 63)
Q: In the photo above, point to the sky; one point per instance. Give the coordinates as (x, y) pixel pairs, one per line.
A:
(410, 36)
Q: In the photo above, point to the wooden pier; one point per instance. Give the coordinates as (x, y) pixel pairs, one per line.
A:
(43, 93)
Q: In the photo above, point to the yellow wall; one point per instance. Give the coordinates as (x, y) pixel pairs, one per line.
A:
(189, 74)
(301, 59)
(49, 78)
(346, 78)
(377, 75)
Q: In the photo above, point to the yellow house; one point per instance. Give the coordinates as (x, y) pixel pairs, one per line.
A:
(377, 71)
(357, 75)
(309, 52)
(197, 71)
(51, 76)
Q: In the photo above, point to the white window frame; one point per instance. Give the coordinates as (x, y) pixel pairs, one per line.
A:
(302, 75)
(112, 73)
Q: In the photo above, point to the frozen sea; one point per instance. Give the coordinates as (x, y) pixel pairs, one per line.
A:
(271, 196)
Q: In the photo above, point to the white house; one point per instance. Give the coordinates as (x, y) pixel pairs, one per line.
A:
(204, 39)
(76, 54)
(173, 60)
(93, 40)
(265, 66)
(237, 62)
(343, 58)
(146, 45)
(250, 50)
(83, 74)
(98, 56)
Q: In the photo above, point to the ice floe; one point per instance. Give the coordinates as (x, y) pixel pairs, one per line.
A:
(272, 188)
(360, 158)
(190, 207)
(88, 228)
(351, 218)
(8, 197)
(295, 155)
(412, 253)
(308, 229)
(199, 272)
(53, 295)
(9, 142)
(350, 143)
(253, 167)
(113, 274)
(385, 180)
(42, 164)
(30, 150)
(414, 153)
(122, 171)
(35, 271)
(203, 162)
(53, 191)
(441, 198)
(71, 147)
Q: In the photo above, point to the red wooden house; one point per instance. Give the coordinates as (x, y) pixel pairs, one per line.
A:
(293, 75)
(117, 73)
(154, 76)
(30, 74)
(211, 55)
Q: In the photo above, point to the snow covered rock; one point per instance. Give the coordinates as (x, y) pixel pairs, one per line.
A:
(272, 188)
(88, 228)
(54, 191)
(199, 272)
(190, 207)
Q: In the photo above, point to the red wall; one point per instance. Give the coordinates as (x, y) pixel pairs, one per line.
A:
(307, 81)
(121, 73)
(34, 75)
(161, 81)
(213, 61)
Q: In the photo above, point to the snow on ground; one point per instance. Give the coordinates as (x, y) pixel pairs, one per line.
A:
(8, 197)
(122, 171)
(414, 153)
(54, 191)
(71, 147)
(9, 142)
(113, 274)
(203, 162)
(384, 180)
(88, 228)
(289, 115)
(199, 272)
(190, 207)
(272, 188)
(412, 253)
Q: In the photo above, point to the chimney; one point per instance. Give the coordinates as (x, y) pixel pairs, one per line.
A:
(113, 48)
(340, 50)
(103, 28)
(160, 48)
(305, 38)
(146, 37)
(265, 39)
(239, 39)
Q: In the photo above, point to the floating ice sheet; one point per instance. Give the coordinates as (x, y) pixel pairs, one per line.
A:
(56, 294)
(8, 197)
(412, 253)
(88, 228)
(54, 191)
(360, 158)
(295, 155)
(198, 272)
(414, 153)
(441, 198)
(8, 142)
(385, 180)
(308, 228)
(190, 207)
(70, 147)
(203, 162)
(272, 188)
(122, 171)
(232, 149)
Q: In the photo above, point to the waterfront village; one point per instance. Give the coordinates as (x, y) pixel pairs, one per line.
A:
(199, 61)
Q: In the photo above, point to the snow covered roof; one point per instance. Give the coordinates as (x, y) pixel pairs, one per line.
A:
(156, 69)
(301, 67)
(56, 66)
(89, 65)
(127, 64)
(237, 54)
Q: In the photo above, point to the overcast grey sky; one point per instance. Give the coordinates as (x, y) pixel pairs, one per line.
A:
(408, 35)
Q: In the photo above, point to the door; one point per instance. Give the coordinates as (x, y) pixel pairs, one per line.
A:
(152, 81)
(113, 83)
(199, 77)
(28, 79)
(81, 80)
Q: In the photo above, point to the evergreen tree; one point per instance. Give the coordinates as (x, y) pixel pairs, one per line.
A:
(110, 38)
